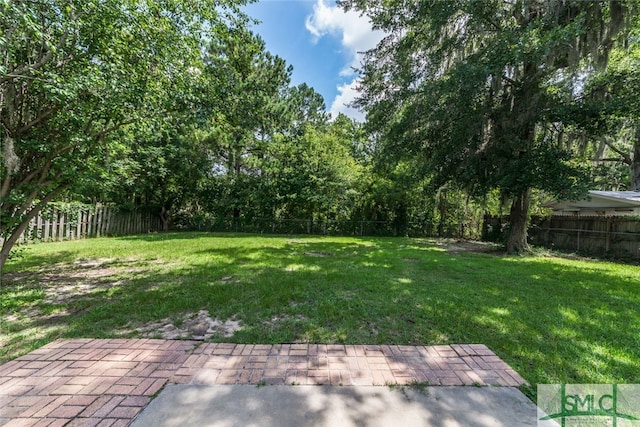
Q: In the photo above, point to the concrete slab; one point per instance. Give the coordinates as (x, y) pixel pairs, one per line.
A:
(282, 406)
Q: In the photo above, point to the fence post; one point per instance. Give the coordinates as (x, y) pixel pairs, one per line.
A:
(84, 229)
(98, 220)
(108, 230)
(69, 231)
(547, 233)
(89, 221)
(54, 226)
(95, 223)
(61, 223)
(607, 236)
(107, 220)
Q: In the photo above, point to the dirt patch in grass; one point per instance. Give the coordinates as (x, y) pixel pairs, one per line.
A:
(49, 302)
(195, 326)
(275, 320)
(64, 285)
(318, 254)
(65, 290)
(65, 282)
(460, 245)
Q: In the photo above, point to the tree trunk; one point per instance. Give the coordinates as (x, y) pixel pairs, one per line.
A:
(401, 220)
(165, 219)
(442, 209)
(519, 215)
(635, 162)
(8, 244)
(13, 238)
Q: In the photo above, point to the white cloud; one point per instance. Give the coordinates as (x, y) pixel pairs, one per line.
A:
(347, 93)
(353, 29)
(356, 36)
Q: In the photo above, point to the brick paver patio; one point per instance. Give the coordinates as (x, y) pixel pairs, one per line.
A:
(92, 382)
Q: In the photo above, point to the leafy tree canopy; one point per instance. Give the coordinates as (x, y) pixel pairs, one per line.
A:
(476, 89)
(72, 73)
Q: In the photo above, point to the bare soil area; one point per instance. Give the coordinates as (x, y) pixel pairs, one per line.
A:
(194, 326)
(88, 279)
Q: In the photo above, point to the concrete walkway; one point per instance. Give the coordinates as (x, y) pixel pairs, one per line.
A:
(91, 382)
(329, 406)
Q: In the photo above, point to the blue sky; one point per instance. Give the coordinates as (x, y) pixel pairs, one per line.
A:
(320, 41)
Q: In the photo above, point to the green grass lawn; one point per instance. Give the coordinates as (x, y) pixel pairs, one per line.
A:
(553, 319)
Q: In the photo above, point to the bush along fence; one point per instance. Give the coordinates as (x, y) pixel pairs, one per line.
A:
(77, 221)
(613, 236)
(326, 227)
(81, 221)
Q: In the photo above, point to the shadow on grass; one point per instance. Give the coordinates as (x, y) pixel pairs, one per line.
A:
(26, 261)
(178, 235)
(552, 320)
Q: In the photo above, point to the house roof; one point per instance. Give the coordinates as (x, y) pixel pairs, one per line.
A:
(600, 200)
(630, 196)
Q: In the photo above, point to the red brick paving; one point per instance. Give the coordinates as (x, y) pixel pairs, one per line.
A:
(91, 382)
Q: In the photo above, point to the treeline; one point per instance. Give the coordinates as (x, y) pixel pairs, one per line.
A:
(176, 107)
(311, 171)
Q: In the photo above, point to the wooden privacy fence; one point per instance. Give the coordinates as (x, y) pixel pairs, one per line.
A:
(613, 236)
(83, 222)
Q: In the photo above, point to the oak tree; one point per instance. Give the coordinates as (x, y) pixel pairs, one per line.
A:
(468, 88)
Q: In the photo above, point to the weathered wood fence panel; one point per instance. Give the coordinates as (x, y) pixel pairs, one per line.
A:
(614, 236)
(84, 222)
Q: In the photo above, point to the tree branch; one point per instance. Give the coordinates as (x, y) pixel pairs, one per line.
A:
(41, 118)
(25, 70)
(6, 186)
(100, 135)
(626, 158)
